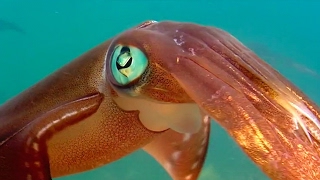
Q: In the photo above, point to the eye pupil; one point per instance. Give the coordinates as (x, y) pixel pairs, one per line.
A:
(124, 49)
(128, 64)
(124, 57)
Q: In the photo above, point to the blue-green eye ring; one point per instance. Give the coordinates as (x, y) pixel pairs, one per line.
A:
(128, 63)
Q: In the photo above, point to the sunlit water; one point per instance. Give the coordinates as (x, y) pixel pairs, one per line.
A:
(38, 37)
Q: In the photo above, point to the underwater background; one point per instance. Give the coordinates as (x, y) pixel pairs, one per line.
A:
(39, 36)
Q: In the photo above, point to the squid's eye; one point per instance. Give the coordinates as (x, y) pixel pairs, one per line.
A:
(128, 63)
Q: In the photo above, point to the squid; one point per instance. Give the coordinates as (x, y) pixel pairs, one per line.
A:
(156, 87)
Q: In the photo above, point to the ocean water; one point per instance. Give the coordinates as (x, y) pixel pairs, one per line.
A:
(38, 37)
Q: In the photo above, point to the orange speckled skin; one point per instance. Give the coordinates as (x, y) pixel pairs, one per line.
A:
(91, 143)
(69, 122)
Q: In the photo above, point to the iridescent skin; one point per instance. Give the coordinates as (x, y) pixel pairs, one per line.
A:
(74, 120)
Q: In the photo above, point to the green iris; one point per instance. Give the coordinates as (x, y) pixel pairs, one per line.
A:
(127, 64)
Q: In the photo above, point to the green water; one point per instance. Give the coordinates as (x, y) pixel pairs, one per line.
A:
(38, 37)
